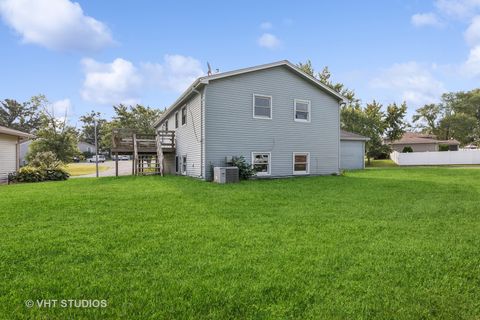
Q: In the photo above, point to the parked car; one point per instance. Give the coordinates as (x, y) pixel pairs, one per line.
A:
(76, 159)
(100, 158)
(121, 157)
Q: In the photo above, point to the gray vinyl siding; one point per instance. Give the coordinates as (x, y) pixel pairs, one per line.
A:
(188, 138)
(352, 154)
(231, 130)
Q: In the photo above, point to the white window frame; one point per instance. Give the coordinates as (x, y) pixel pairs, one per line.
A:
(183, 168)
(295, 110)
(271, 106)
(181, 115)
(308, 163)
(261, 174)
(176, 120)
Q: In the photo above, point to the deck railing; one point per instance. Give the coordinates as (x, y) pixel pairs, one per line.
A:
(123, 141)
(167, 138)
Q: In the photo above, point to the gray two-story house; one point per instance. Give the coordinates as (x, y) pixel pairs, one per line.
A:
(282, 120)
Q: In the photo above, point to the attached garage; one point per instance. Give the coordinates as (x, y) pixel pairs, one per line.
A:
(352, 150)
(9, 151)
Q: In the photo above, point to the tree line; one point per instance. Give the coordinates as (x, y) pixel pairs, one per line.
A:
(55, 134)
(456, 116)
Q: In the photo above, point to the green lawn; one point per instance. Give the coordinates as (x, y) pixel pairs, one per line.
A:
(79, 169)
(373, 244)
(380, 163)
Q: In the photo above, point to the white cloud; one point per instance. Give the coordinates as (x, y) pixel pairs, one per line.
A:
(122, 82)
(472, 66)
(175, 74)
(62, 110)
(266, 25)
(411, 82)
(111, 83)
(472, 34)
(268, 40)
(459, 9)
(55, 24)
(425, 19)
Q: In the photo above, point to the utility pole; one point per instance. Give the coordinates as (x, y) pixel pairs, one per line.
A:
(96, 147)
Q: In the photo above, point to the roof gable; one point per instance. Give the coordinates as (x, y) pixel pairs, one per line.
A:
(202, 81)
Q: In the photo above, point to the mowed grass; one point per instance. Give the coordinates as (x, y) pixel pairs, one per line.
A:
(373, 244)
(79, 169)
(380, 163)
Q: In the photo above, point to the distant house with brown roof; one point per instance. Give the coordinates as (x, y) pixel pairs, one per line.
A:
(420, 142)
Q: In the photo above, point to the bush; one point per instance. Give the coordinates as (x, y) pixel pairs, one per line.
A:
(245, 170)
(27, 174)
(45, 160)
(382, 152)
(33, 174)
(43, 167)
(407, 149)
(443, 147)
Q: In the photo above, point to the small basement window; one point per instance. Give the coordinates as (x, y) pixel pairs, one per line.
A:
(261, 162)
(301, 163)
(302, 110)
(262, 107)
(184, 116)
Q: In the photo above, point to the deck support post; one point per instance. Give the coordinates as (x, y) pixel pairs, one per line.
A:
(116, 164)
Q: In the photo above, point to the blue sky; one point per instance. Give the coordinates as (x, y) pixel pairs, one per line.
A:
(88, 55)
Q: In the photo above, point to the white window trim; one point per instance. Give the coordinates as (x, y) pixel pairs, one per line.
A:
(253, 106)
(262, 174)
(184, 164)
(308, 163)
(181, 116)
(175, 119)
(295, 110)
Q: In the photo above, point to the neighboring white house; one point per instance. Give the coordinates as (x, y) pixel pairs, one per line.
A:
(282, 120)
(9, 151)
(86, 147)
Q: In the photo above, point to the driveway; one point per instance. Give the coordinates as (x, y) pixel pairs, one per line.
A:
(124, 169)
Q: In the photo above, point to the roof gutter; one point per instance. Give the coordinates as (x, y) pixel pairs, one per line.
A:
(192, 89)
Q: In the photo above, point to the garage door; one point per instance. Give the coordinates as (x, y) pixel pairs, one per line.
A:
(351, 154)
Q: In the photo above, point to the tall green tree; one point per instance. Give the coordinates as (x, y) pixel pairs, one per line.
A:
(459, 126)
(87, 132)
(23, 116)
(395, 123)
(55, 135)
(138, 118)
(427, 117)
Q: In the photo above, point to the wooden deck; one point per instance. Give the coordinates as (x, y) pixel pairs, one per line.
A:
(147, 149)
(123, 142)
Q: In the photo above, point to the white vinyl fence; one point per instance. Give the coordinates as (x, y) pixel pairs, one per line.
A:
(436, 158)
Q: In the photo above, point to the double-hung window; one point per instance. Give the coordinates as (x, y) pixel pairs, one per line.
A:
(302, 110)
(184, 116)
(301, 163)
(262, 106)
(176, 120)
(261, 162)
